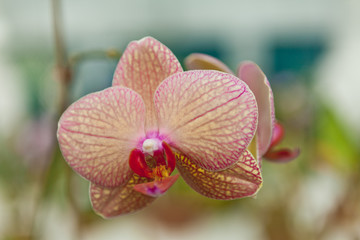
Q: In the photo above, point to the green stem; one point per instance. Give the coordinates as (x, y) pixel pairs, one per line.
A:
(62, 69)
(110, 53)
(60, 53)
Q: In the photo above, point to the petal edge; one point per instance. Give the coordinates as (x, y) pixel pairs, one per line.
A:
(97, 133)
(199, 61)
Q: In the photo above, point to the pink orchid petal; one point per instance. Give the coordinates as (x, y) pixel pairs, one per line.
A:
(251, 73)
(111, 202)
(97, 133)
(283, 155)
(156, 188)
(277, 136)
(243, 179)
(208, 115)
(198, 61)
(143, 66)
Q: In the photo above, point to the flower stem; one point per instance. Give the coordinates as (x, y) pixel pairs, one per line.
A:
(62, 66)
(63, 75)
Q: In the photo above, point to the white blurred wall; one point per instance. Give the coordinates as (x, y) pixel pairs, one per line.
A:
(338, 75)
(100, 23)
(243, 27)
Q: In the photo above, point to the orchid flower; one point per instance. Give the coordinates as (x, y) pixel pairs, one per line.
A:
(269, 132)
(128, 139)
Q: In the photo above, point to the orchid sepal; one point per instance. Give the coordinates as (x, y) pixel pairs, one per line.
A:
(199, 61)
(143, 66)
(113, 201)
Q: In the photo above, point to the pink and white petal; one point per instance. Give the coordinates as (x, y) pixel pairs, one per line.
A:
(243, 179)
(208, 115)
(111, 202)
(156, 188)
(97, 133)
(142, 67)
(254, 77)
(198, 61)
(282, 155)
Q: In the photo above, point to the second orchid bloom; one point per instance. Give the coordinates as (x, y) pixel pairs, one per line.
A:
(128, 139)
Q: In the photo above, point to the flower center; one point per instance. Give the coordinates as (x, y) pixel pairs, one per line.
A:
(150, 145)
(155, 161)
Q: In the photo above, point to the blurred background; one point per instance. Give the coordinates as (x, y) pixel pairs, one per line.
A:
(309, 50)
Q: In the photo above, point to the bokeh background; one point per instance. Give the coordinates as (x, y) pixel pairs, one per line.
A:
(309, 49)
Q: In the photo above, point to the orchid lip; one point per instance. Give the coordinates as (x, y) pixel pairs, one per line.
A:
(155, 161)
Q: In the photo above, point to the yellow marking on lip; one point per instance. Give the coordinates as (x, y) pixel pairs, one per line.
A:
(160, 172)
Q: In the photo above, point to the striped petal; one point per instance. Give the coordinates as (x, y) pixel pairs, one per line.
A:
(111, 202)
(97, 133)
(250, 73)
(208, 115)
(143, 66)
(198, 61)
(243, 179)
